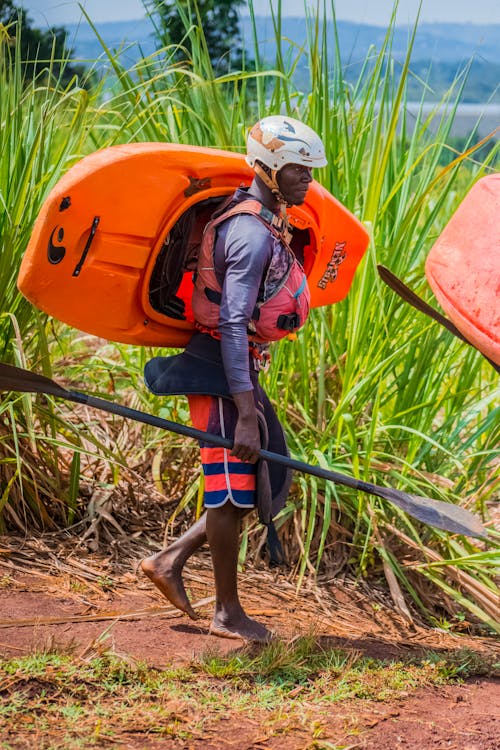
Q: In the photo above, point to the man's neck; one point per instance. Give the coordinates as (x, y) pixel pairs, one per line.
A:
(260, 191)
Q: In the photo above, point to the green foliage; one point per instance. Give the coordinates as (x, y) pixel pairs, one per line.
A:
(284, 664)
(44, 129)
(40, 52)
(190, 24)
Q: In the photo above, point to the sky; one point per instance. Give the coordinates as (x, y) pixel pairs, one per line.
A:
(58, 12)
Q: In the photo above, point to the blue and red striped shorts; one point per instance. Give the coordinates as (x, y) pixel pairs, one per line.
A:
(226, 477)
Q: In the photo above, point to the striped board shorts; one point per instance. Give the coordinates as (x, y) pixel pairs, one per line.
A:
(226, 477)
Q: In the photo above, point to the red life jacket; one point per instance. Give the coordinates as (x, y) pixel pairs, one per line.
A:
(283, 310)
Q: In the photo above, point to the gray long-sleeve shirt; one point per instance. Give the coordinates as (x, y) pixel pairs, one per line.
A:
(243, 251)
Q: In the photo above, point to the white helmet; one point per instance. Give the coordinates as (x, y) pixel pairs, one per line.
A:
(276, 140)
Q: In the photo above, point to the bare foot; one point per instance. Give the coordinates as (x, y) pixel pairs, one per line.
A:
(167, 578)
(240, 627)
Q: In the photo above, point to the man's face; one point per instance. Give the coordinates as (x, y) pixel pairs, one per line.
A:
(294, 181)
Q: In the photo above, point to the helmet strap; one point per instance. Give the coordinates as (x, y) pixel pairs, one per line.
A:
(269, 178)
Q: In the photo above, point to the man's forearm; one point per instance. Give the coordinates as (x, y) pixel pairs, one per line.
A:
(245, 405)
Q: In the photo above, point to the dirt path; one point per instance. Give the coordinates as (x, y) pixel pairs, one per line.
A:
(92, 607)
(465, 717)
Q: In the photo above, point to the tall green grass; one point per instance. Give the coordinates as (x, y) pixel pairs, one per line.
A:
(45, 127)
(371, 387)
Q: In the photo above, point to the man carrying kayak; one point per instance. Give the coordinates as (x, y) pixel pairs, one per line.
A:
(250, 289)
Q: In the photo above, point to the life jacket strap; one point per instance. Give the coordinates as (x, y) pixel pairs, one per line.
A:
(278, 225)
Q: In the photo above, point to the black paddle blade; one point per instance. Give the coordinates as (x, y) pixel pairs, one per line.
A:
(442, 515)
(415, 301)
(419, 304)
(16, 379)
(446, 516)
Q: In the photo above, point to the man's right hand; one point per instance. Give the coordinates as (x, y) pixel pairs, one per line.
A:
(246, 436)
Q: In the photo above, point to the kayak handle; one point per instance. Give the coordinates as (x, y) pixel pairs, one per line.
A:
(90, 239)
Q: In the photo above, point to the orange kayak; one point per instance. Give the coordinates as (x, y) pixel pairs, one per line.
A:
(463, 267)
(113, 248)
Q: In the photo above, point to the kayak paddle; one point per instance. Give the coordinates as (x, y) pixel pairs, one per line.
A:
(442, 515)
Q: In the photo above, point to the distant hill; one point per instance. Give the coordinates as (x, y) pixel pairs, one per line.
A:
(440, 50)
(439, 42)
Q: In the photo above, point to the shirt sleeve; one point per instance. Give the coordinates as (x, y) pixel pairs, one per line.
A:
(247, 250)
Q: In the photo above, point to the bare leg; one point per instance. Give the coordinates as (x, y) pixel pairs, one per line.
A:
(230, 620)
(165, 568)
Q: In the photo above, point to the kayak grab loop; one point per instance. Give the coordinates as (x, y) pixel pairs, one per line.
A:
(90, 239)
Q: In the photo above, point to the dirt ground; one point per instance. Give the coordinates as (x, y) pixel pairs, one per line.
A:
(76, 601)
